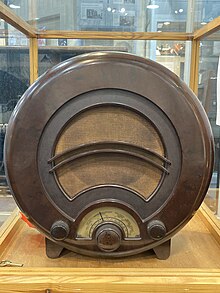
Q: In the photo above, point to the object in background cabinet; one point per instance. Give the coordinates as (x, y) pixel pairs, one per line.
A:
(109, 154)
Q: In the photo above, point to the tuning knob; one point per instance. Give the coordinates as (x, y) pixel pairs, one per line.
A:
(108, 237)
(156, 230)
(59, 230)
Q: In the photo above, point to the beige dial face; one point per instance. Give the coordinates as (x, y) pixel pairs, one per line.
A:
(103, 215)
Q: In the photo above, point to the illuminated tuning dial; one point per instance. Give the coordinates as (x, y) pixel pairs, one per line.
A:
(114, 221)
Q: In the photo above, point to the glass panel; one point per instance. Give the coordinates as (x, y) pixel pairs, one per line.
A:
(205, 11)
(14, 80)
(209, 95)
(105, 15)
(171, 54)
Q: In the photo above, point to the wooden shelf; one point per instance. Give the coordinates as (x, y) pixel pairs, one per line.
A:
(193, 265)
(193, 247)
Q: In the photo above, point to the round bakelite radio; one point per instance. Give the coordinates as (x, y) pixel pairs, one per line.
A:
(109, 154)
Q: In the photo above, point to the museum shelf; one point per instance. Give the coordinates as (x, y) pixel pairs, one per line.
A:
(193, 265)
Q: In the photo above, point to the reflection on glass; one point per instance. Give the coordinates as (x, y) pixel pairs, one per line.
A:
(207, 93)
(106, 15)
(171, 54)
(116, 15)
(14, 80)
(205, 11)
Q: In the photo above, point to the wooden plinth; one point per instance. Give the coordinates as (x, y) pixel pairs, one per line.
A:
(194, 266)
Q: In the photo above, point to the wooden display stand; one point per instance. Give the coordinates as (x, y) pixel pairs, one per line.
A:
(194, 264)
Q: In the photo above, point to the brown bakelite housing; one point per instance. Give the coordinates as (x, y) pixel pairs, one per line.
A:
(109, 154)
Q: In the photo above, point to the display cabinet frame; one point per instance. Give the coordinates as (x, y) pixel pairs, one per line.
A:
(51, 279)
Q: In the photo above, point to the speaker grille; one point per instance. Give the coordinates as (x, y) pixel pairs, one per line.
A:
(109, 124)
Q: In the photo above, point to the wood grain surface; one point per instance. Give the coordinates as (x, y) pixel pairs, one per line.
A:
(192, 267)
(207, 29)
(193, 247)
(33, 52)
(55, 34)
(211, 221)
(194, 69)
(105, 280)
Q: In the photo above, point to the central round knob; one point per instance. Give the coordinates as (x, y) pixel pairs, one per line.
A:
(108, 237)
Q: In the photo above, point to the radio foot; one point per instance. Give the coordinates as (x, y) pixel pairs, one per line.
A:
(53, 250)
(162, 251)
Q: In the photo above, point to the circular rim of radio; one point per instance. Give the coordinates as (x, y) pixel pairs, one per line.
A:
(123, 80)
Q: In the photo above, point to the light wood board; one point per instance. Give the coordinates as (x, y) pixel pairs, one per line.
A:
(192, 247)
(193, 266)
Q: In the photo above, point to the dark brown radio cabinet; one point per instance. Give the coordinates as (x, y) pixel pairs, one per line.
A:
(109, 154)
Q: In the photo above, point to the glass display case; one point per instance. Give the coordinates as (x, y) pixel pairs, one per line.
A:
(14, 80)
(171, 54)
(184, 36)
(109, 15)
(209, 95)
(35, 35)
